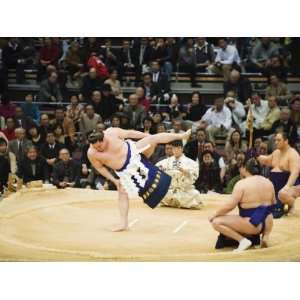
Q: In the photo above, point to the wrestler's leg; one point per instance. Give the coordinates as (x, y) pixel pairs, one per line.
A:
(160, 138)
(289, 196)
(123, 209)
(267, 231)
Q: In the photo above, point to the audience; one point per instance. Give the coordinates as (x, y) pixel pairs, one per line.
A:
(50, 90)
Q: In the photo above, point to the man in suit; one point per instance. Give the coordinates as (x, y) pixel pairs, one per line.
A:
(21, 120)
(50, 150)
(194, 149)
(160, 79)
(20, 144)
(33, 167)
(66, 172)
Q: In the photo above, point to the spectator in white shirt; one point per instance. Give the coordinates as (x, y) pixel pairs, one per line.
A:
(226, 57)
(217, 119)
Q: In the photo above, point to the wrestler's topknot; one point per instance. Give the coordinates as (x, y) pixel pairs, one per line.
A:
(95, 137)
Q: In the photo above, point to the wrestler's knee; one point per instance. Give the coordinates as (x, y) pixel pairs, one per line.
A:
(216, 222)
(283, 194)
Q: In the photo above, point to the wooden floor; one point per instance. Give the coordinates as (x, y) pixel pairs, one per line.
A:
(74, 225)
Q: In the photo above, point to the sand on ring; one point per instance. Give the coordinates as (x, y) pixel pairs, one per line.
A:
(74, 225)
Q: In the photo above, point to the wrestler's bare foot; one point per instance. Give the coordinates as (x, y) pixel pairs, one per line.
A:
(265, 241)
(120, 228)
(187, 134)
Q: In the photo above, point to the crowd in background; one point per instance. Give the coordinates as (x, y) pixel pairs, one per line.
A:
(51, 146)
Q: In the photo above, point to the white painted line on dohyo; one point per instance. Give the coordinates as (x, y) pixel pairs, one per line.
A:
(180, 226)
(133, 222)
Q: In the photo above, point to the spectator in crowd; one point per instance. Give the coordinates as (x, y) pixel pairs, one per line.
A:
(143, 52)
(49, 55)
(227, 58)
(7, 109)
(135, 112)
(9, 129)
(66, 172)
(255, 149)
(109, 55)
(34, 136)
(148, 126)
(210, 146)
(21, 120)
(260, 109)
(239, 84)
(286, 124)
(149, 88)
(184, 172)
(33, 167)
(160, 81)
(295, 113)
(234, 145)
(128, 61)
(115, 121)
(66, 123)
(90, 44)
(145, 102)
(50, 90)
(204, 54)
(110, 102)
(194, 149)
(30, 109)
(20, 144)
(90, 83)
(89, 120)
(188, 61)
(273, 115)
(196, 109)
(74, 110)
(176, 126)
(217, 119)
(278, 89)
(73, 61)
(208, 179)
(13, 58)
(96, 62)
(276, 67)
(45, 126)
(7, 163)
(237, 111)
(175, 109)
(59, 133)
(261, 55)
(50, 150)
(114, 83)
(2, 123)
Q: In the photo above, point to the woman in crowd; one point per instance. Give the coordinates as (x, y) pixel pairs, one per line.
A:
(115, 84)
(234, 145)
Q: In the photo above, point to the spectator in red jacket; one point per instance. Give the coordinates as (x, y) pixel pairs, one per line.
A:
(95, 62)
(9, 129)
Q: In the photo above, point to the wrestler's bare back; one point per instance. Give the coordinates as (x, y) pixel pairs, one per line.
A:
(115, 153)
(256, 190)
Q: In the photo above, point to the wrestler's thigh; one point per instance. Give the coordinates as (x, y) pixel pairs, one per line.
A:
(294, 191)
(148, 140)
(239, 224)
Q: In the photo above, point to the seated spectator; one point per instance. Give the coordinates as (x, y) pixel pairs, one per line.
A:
(114, 83)
(115, 121)
(210, 146)
(226, 58)
(194, 149)
(90, 83)
(49, 55)
(159, 128)
(111, 104)
(34, 136)
(45, 126)
(13, 58)
(7, 109)
(33, 167)
(265, 128)
(50, 90)
(9, 129)
(20, 144)
(74, 110)
(276, 67)
(73, 61)
(295, 113)
(66, 172)
(31, 110)
(21, 120)
(184, 172)
(279, 90)
(148, 126)
(135, 112)
(150, 89)
(175, 109)
(217, 119)
(66, 123)
(160, 82)
(50, 150)
(204, 54)
(2, 123)
(234, 144)
(264, 170)
(145, 102)
(176, 126)
(232, 172)
(7, 163)
(239, 84)
(196, 109)
(89, 120)
(96, 62)
(59, 134)
(286, 125)
(237, 112)
(109, 55)
(208, 179)
(261, 55)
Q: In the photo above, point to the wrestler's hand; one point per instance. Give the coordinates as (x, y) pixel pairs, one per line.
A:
(210, 219)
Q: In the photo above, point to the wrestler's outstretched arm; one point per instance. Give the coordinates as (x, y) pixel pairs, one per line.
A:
(130, 134)
(265, 160)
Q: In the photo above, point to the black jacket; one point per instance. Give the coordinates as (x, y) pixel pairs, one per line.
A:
(69, 172)
(242, 88)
